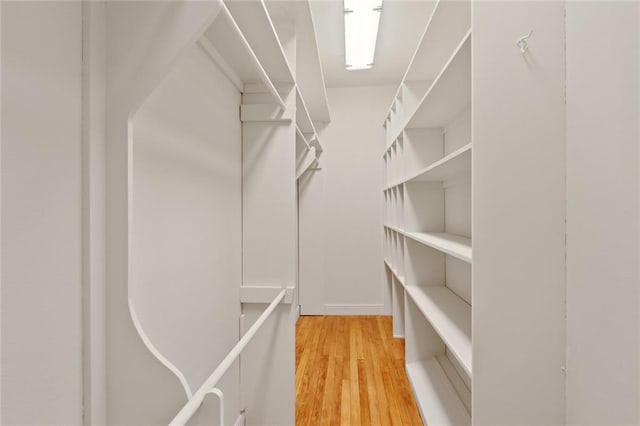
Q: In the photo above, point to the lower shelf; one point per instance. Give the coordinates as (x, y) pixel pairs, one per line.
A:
(437, 399)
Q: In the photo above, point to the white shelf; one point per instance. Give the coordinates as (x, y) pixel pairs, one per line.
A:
(394, 228)
(395, 272)
(449, 94)
(309, 75)
(437, 400)
(457, 163)
(229, 47)
(450, 317)
(256, 25)
(453, 245)
(447, 23)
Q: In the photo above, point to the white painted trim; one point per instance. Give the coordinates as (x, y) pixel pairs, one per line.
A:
(0, 204)
(155, 352)
(93, 183)
(354, 309)
(264, 294)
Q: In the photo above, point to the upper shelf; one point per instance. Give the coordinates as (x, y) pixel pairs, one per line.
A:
(308, 68)
(450, 317)
(256, 20)
(227, 46)
(256, 25)
(309, 74)
(449, 94)
(448, 22)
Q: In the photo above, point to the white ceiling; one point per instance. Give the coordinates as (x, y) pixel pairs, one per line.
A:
(401, 25)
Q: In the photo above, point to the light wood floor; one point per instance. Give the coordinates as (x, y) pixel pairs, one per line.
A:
(350, 371)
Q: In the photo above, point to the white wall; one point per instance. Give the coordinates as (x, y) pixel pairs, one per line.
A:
(602, 213)
(350, 182)
(186, 263)
(42, 213)
(518, 214)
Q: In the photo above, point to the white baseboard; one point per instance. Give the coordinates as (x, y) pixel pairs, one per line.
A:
(355, 309)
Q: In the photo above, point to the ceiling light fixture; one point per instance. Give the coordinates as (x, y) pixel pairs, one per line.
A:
(361, 21)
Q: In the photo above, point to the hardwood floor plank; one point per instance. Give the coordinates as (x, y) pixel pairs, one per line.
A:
(345, 404)
(350, 371)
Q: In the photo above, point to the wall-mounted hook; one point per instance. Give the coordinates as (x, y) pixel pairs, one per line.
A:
(523, 42)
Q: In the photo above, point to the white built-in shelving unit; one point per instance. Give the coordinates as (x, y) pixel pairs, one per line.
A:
(268, 49)
(427, 215)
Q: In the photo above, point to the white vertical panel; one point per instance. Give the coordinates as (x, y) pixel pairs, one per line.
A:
(269, 251)
(186, 264)
(311, 211)
(602, 213)
(518, 214)
(269, 203)
(42, 213)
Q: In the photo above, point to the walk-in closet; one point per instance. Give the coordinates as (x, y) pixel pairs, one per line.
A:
(319, 212)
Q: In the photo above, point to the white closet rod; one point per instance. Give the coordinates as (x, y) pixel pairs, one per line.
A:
(263, 74)
(195, 401)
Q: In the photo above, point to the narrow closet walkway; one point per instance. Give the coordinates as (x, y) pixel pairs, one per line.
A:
(350, 371)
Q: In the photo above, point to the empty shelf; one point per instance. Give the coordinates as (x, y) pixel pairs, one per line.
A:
(453, 245)
(450, 93)
(448, 22)
(394, 228)
(437, 400)
(395, 272)
(256, 25)
(450, 317)
(310, 77)
(455, 164)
